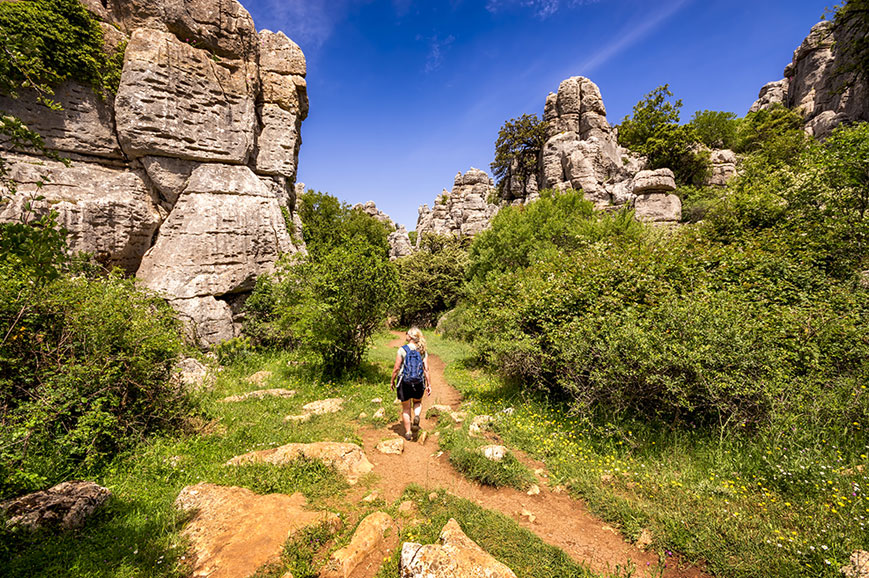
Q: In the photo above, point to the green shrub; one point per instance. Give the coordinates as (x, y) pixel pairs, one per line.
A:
(332, 300)
(85, 366)
(50, 41)
(431, 280)
(715, 129)
(654, 131)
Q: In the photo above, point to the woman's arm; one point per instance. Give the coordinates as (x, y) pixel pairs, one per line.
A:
(396, 368)
(426, 374)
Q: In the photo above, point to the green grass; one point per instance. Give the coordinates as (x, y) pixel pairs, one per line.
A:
(138, 532)
(747, 506)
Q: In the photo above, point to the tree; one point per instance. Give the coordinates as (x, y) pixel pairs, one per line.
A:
(431, 279)
(330, 301)
(715, 129)
(776, 133)
(517, 152)
(654, 131)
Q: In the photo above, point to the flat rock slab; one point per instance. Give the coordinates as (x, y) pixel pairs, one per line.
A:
(66, 505)
(234, 531)
(370, 537)
(858, 565)
(454, 555)
(260, 377)
(192, 373)
(394, 446)
(319, 407)
(347, 458)
(259, 394)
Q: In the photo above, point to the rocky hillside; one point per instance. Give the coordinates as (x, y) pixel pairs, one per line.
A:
(184, 178)
(814, 84)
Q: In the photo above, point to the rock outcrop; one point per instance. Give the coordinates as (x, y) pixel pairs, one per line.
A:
(184, 177)
(348, 459)
(226, 532)
(65, 506)
(816, 85)
(462, 212)
(454, 555)
(375, 533)
(399, 239)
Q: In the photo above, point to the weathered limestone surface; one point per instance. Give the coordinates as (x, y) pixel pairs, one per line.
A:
(454, 555)
(66, 506)
(225, 229)
(192, 161)
(723, 167)
(462, 212)
(399, 239)
(227, 535)
(176, 101)
(109, 212)
(816, 86)
(85, 125)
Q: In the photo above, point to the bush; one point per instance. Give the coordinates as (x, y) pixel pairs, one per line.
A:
(654, 131)
(715, 129)
(431, 280)
(330, 301)
(84, 373)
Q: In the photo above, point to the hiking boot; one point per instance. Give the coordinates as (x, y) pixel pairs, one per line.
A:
(408, 436)
(415, 426)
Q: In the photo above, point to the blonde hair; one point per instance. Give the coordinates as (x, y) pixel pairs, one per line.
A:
(416, 336)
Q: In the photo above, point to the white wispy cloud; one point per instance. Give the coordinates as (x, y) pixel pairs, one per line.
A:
(630, 35)
(542, 9)
(437, 48)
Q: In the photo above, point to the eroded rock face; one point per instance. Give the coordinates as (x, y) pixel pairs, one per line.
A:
(227, 535)
(723, 167)
(816, 86)
(66, 506)
(194, 159)
(454, 555)
(110, 212)
(399, 239)
(463, 212)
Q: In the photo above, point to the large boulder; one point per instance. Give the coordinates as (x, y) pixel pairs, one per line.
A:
(65, 506)
(454, 555)
(233, 531)
(225, 229)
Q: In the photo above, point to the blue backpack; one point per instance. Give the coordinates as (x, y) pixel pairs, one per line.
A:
(412, 373)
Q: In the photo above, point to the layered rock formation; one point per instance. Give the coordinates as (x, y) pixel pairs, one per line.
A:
(462, 212)
(185, 177)
(814, 83)
(399, 239)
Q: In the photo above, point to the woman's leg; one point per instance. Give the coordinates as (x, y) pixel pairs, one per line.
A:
(405, 415)
(417, 411)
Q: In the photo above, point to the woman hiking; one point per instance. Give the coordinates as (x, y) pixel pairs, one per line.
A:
(411, 369)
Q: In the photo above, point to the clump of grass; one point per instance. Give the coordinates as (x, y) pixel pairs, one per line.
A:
(301, 557)
(466, 456)
(502, 537)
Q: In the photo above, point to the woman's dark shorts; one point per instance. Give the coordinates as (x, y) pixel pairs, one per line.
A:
(408, 391)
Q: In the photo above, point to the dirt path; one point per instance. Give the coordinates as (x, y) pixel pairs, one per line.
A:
(559, 520)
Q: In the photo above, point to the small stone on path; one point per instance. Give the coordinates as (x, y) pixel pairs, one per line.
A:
(372, 497)
(393, 446)
(379, 414)
(363, 415)
(406, 507)
(858, 566)
(480, 424)
(320, 407)
(528, 515)
(377, 400)
(495, 453)
(644, 540)
(423, 435)
(533, 490)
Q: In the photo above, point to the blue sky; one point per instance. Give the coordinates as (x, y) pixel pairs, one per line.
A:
(404, 93)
